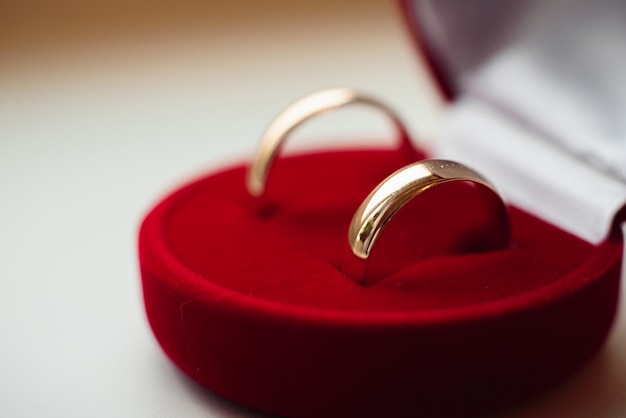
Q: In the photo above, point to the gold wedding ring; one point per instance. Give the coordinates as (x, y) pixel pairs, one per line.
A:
(389, 197)
(299, 112)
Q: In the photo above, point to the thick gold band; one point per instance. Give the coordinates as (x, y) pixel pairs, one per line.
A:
(298, 113)
(389, 197)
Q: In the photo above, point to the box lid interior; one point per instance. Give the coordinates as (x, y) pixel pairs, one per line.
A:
(558, 65)
(554, 68)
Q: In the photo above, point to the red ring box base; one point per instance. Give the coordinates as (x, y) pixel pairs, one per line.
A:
(255, 308)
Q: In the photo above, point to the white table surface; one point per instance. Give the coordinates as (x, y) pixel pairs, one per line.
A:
(97, 122)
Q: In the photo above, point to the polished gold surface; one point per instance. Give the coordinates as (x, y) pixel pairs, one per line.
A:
(389, 197)
(299, 112)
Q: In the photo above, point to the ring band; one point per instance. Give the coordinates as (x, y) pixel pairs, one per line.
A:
(389, 197)
(299, 112)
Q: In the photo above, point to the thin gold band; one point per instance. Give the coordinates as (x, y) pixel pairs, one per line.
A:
(299, 112)
(389, 197)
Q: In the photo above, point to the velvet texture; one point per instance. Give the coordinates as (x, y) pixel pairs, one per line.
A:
(249, 300)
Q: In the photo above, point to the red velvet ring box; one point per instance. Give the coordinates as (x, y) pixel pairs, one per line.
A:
(254, 306)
